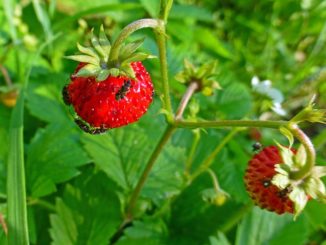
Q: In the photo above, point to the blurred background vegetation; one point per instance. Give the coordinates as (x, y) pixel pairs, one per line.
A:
(271, 60)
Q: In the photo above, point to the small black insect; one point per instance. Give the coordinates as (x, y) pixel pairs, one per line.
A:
(153, 94)
(266, 183)
(283, 193)
(65, 95)
(86, 128)
(123, 90)
(256, 146)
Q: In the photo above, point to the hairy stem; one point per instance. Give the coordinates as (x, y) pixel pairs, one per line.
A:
(229, 123)
(310, 151)
(165, 137)
(185, 99)
(192, 152)
(161, 41)
(131, 28)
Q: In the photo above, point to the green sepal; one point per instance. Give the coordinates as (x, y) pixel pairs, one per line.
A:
(127, 71)
(315, 188)
(97, 46)
(87, 50)
(310, 114)
(319, 171)
(104, 41)
(84, 58)
(97, 58)
(299, 197)
(103, 74)
(288, 134)
(128, 49)
(88, 70)
(281, 180)
(202, 75)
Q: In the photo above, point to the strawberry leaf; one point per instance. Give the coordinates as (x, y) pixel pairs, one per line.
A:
(53, 157)
(83, 216)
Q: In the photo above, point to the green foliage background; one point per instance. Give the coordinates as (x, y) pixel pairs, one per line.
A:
(78, 184)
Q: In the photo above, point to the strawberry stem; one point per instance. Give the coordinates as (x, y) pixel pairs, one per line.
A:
(185, 99)
(310, 151)
(229, 123)
(161, 42)
(128, 30)
(164, 139)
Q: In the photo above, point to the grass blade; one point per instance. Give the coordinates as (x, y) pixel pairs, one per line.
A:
(16, 189)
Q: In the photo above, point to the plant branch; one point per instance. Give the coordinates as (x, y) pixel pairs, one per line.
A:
(185, 100)
(310, 151)
(229, 123)
(131, 28)
(165, 137)
(161, 41)
(192, 151)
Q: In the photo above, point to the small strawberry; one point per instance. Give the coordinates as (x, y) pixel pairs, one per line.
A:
(258, 181)
(108, 94)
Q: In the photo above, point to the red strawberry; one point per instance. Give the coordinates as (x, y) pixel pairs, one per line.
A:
(111, 103)
(108, 91)
(258, 177)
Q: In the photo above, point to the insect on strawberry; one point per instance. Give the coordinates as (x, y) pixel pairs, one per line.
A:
(107, 93)
(123, 90)
(258, 182)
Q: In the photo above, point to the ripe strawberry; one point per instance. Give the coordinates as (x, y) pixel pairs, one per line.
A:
(258, 181)
(111, 103)
(108, 93)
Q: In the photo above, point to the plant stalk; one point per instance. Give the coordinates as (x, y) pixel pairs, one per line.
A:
(185, 100)
(128, 30)
(310, 151)
(210, 158)
(164, 139)
(229, 123)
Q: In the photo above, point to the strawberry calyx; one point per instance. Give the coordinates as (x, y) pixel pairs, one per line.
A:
(203, 75)
(309, 186)
(97, 61)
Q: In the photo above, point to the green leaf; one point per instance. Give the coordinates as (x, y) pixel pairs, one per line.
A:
(16, 190)
(49, 92)
(123, 154)
(259, 226)
(234, 101)
(149, 231)
(53, 157)
(220, 239)
(210, 41)
(152, 7)
(83, 216)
